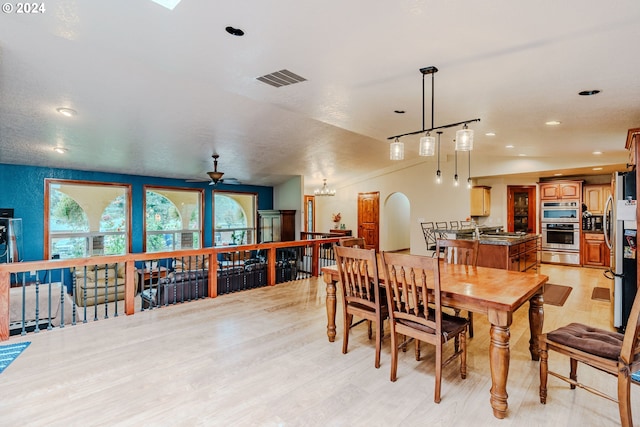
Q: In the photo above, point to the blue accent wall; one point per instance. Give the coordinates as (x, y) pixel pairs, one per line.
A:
(22, 188)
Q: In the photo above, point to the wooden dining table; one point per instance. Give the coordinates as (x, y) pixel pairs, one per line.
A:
(494, 292)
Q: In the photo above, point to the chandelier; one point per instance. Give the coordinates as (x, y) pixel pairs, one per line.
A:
(427, 144)
(324, 191)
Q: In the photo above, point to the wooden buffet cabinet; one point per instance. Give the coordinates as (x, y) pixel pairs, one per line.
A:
(276, 225)
(517, 255)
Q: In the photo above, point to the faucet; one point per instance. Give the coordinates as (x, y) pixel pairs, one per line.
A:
(476, 233)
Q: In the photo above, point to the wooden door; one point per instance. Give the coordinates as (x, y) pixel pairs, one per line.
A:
(369, 219)
(521, 211)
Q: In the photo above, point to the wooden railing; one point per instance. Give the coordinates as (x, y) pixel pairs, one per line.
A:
(314, 247)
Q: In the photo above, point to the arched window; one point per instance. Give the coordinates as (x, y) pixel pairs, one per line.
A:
(86, 218)
(172, 219)
(234, 218)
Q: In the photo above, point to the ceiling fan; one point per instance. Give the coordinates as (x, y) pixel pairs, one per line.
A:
(215, 177)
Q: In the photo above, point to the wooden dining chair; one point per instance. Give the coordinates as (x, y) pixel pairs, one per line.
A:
(458, 251)
(412, 285)
(610, 352)
(361, 294)
(353, 242)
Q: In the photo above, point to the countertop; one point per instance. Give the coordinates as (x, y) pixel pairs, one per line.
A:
(593, 231)
(468, 230)
(503, 240)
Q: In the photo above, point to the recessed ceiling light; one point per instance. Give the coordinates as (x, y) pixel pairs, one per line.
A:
(597, 153)
(589, 92)
(67, 112)
(552, 123)
(522, 155)
(398, 111)
(235, 31)
(597, 169)
(169, 4)
(508, 146)
(60, 150)
(490, 134)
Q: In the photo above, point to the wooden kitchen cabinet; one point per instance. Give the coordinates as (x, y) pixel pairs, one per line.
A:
(522, 256)
(595, 196)
(594, 251)
(560, 190)
(481, 201)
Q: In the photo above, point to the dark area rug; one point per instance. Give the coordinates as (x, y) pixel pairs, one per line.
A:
(601, 294)
(556, 294)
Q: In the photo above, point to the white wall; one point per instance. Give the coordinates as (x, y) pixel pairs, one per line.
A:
(416, 181)
(289, 195)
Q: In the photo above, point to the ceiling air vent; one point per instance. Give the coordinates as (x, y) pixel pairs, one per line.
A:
(281, 78)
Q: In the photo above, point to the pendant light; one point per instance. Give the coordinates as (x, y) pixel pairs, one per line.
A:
(397, 150)
(438, 173)
(427, 145)
(469, 176)
(456, 182)
(427, 142)
(463, 136)
(464, 139)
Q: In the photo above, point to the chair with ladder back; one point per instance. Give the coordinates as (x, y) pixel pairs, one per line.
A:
(611, 352)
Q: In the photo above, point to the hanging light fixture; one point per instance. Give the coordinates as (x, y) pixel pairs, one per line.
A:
(215, 175)
(427, 145)
(324, 191)
(469, 175)
(464, 139)
(456, 181)
(438, 173)
(425, 142)
(397, 150)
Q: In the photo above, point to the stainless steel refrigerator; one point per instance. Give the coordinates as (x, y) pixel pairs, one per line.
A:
(620, 230)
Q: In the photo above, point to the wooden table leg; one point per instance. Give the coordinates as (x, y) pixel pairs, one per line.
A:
(331, 307)
(536, 320)
(499, 356)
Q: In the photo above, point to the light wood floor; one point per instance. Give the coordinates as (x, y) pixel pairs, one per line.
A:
(262, 358)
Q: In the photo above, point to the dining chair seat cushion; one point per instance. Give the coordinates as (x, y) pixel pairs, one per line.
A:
(591, 340)
(451, 325)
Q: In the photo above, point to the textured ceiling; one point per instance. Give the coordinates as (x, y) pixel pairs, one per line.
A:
(158, 91)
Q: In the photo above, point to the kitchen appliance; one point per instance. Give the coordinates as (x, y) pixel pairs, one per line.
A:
(560, 224)
(597, 222)
(620, 232)
(588, 223)
(561, 211)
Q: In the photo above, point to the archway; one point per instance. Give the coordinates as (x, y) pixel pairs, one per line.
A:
(397, 221)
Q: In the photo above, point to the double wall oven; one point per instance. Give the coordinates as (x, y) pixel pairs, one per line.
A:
(560, 223)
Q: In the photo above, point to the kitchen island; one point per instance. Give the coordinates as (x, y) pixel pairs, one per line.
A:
(508, 251)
